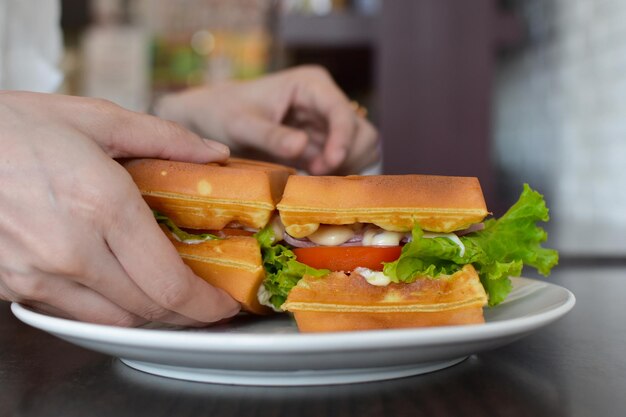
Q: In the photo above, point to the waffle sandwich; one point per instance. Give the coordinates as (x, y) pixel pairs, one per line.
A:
(345, 253)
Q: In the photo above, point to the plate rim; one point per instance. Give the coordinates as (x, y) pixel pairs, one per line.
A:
(294, 342)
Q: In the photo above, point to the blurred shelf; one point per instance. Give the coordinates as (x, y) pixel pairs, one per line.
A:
(333, 30)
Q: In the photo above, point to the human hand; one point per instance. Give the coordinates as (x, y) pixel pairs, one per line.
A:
(298, 116)
(76, 238)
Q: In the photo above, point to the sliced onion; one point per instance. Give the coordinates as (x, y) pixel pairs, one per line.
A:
(473, 228)
(298, 243)
(357, 238)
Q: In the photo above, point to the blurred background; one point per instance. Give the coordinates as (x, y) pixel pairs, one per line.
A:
(509, 91)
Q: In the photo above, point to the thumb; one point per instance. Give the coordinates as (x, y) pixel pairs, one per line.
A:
(267, 136)
(123, 133)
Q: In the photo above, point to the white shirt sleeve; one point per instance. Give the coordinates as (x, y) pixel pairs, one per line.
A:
(30, 45)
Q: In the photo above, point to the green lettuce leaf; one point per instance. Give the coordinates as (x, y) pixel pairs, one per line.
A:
(282, 271)
(178, 232)
(497, 252)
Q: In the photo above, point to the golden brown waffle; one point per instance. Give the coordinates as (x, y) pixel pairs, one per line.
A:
(395, 203)
(210, 196)
(339, 302)
(232, 264)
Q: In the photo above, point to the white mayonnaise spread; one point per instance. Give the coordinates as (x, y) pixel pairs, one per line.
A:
(328, 235)
(376, 278)
(192, 241)
(279, 228)
(451, 236)
(189, 241)
(381, 237)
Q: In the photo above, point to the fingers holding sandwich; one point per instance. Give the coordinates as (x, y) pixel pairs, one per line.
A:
(109, 279)
(60, 260)
(135, 134)
(60, 193)
(119, 132)
(158, 287)
(163, 276)
(62, 296)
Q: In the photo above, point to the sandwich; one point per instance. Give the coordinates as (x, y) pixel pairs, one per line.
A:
(345, 253)
(399, 251)
(210, 212)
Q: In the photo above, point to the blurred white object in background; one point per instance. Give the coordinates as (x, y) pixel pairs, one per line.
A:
(30, 45)
(560, 120)
(116, 58)
(116, 66)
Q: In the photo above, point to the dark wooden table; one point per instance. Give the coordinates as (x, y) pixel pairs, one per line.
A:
(574, 367)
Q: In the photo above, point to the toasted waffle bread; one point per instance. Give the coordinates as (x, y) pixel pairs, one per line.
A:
(395, 203)
(339, 302)
(210, 196)
(232, 264)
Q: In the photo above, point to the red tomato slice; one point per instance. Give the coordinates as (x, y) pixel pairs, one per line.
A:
(347, 258)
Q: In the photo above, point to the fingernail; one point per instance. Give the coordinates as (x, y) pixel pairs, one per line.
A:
(292, 145)
(318, 167)
(217, 146)
(337, 157)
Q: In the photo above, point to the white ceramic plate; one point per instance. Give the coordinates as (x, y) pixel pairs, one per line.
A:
(270, 351)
